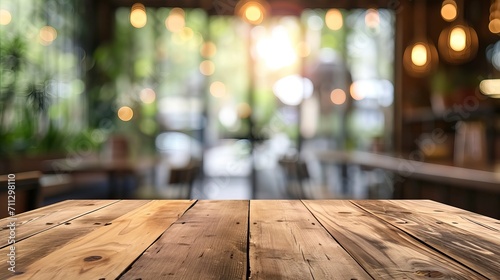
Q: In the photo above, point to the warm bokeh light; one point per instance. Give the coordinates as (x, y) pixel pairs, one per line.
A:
(356, 92)
(372, 18)
(186, 34)
(419, 54)
(490, 87)
(208, 49)
(47, 35)
(420, 58)
(251, 11)
(458, 44)
(338, 96)
(449, 10)
(458, 39)
(244, 110)
(5, 17)
(494, 26)
(303, 49)
(138, 17)
(176, 20)
(207, 67)
(218, 89)
(125, 113)
(147, 96)
(333, 19)
(277, 51)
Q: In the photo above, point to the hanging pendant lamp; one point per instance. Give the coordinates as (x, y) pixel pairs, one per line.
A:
(420, 56)
(458, 43)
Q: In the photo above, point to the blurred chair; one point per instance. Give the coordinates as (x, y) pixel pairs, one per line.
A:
(295, 173)
(172, 182)
(27, 192)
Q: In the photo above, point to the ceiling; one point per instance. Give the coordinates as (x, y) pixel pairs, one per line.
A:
(279, 7)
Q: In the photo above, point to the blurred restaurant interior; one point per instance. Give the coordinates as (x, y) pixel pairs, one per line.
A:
(251, 99)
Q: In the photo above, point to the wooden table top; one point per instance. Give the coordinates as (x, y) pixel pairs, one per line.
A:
(257, 239)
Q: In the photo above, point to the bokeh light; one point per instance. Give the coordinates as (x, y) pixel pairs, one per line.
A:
(372, 18)
(244, 110)
(208, 49)
(5, 17)
(47, 35)
(147, 96)
(125, 113)
(333, 19)
(458, 39)
(252, 12)
(207, 68)
(494, 26)
(356, 92)
(138, 17)
(338, 96)
(176, 21)
(449, 10)
(419, 54)
(303, 49)
(218, 89)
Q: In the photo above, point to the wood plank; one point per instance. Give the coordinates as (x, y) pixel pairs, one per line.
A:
(38, 246)
(479, 252)
(107, 251)
(41, 219)
(208, 242)
(287, 242)
(457, 217)
(384, 251)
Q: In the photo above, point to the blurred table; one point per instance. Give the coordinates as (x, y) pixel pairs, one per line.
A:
(257, 239)
(117, 170)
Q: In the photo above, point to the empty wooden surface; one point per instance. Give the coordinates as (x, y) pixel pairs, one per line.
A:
(257, 239)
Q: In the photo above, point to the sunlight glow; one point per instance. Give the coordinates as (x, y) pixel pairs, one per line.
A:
(291, 90)
(277, 51)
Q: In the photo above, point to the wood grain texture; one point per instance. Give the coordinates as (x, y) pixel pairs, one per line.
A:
(208, 242)
(478, 251)
(287, 242)
(106, 252)
(457, 217)
(41, 219)
(38, 246)
(384, 251)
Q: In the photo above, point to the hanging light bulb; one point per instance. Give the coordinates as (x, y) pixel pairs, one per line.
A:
(449, 10)
(253, 11)
(494, 25)
(420, 57)
(458, 43)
